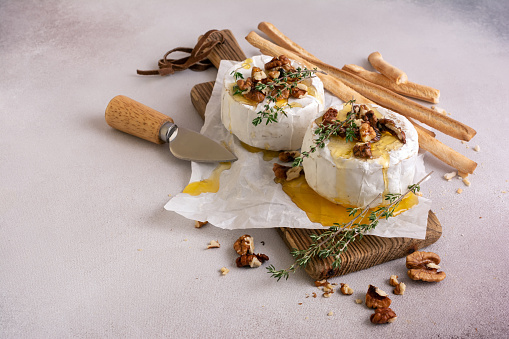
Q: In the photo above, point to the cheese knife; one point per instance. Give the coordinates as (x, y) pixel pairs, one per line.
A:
(132, 117)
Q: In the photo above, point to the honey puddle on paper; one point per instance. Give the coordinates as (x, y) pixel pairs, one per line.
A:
(325, 212)
(210, 185)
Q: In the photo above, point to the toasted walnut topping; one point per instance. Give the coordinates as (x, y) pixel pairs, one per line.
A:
(400, 289)
(273, 74)
(224, 271)
(286, 172)
(213, 244)
(390, 126)
(383, 315)
(255, 95)
(244, 245)
(376, 298)
(393, 280)
(279, 62)
(299, 91)
(288, 156)
(362, 150)
(423, 266)
(367, 132)
(251, 260)
(329, 116)
(345, 289)
(257, 74)
(200, 224)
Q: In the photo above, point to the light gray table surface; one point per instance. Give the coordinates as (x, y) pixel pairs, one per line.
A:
(86, 248)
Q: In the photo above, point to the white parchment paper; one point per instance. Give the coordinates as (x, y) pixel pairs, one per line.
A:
(248, 197)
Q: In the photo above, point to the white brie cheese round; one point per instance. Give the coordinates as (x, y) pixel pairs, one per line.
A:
(344, 179)
(286, 134)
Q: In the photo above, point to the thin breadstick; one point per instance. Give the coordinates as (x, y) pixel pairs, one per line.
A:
(282, 40)
(386, 98)
(405, 106)
(382, 66)
(409, 89)
(445, 153)
(422, 129)
(333, 85)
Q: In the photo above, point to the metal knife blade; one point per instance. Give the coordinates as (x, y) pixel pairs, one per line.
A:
(193, 146)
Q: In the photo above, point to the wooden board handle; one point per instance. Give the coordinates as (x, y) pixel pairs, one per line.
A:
(132, 117)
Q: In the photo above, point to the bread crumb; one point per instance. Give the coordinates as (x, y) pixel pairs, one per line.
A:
(463, 142)
(449, 176)
(466, 181)
(330, 313)
(224, 271)
(504, 192)
(477, 148)
(139, 250)
(358, 301)
(185, 239)
(459, 191)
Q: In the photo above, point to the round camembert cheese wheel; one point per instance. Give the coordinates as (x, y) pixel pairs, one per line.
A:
(238, 112)
(343, 176)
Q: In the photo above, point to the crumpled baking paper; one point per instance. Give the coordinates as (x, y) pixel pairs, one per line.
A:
(248, 197)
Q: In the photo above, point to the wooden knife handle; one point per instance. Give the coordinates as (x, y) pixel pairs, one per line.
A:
(132, 117)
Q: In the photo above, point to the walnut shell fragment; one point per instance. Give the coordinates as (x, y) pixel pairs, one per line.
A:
(376, 298)
(383, 315)
(424, 266)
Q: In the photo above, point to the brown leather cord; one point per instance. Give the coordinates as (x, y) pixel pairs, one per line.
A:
(196, 61)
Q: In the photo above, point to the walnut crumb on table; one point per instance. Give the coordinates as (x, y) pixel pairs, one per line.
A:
(213, 244)
(224, 271)
(200, 224)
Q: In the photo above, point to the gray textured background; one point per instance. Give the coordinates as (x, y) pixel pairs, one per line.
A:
(87, 249)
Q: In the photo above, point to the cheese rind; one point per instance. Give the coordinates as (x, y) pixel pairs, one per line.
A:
(288, 132)
(352, 181)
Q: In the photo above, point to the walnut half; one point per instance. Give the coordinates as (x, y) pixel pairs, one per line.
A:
(376, 298)
(424, 266)
(244, 245)
(383, 315)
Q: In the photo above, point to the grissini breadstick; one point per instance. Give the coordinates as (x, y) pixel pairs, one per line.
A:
(333, 85)
(445, 153)
(409, 89)
(382, 66)
(282, 40)
(382, 96)
(402, 105)
(423, 129)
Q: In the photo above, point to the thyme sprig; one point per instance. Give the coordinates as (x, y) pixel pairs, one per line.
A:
(335, 241)
(324, 132)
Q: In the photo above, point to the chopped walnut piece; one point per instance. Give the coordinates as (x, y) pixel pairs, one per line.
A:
(299, 91)
(383, 315)
(449, 176)
(329, 116)
(286, 172)
(376, 298)
(393, 280)
(358, 301)
(362, 150)
(288, 156)
(244, 245)
(367, 132)
(330, 313)
(477, 148)
(251, 260)
(200, 224)
(224, 271)
(257, 74)
(424, 266)
(390, 126)
(400, 288)
(213, 244)
(345, 289)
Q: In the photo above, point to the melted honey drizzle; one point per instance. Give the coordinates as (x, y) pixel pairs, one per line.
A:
(322, 211)
(210, 185)
(267, 154)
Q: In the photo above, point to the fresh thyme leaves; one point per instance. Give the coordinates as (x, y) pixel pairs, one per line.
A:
(279, 88)
(335, 241)
(325, 131)
(236, 74)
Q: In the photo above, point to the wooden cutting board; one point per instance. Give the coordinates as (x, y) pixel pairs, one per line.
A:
(362, 254)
